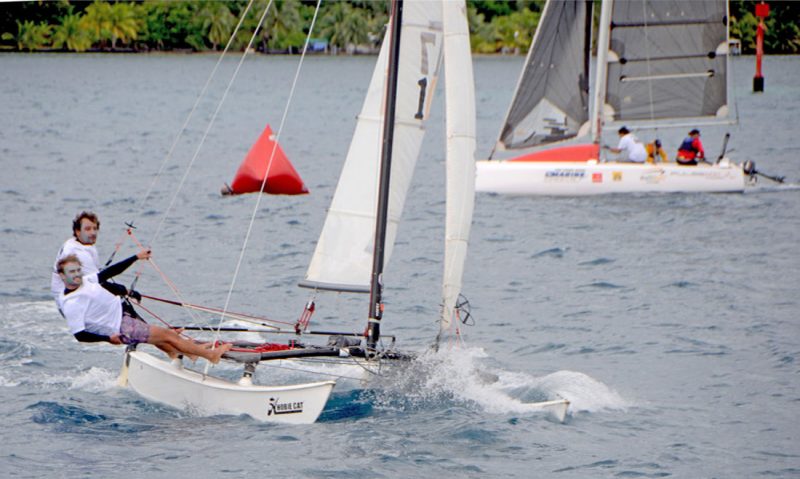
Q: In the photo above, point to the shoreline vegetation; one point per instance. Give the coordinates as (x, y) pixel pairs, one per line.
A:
(342, 27)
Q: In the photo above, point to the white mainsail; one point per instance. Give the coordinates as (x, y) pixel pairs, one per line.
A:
(342, 259)
(460, 109)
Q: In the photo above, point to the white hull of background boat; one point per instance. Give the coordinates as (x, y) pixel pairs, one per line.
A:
(563, 178)
(558, 408)
(171, 384)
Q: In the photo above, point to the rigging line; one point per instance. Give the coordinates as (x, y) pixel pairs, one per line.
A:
(264, 181)
(340, 376)
(185, 125)
(171, 285)
(117, 246)
(647, 56)
(730, 84)
(208, 309)
(210, 123)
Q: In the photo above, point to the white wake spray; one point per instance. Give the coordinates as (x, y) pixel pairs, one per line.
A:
(461, 375)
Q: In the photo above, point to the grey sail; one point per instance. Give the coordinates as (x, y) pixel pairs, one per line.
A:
(667, 60)
(550, 103)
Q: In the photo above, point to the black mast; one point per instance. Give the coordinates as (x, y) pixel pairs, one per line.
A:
(376, 283)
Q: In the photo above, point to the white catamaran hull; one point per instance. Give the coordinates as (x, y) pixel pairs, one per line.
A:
(557, 407)
(175, 386)
(560, 178)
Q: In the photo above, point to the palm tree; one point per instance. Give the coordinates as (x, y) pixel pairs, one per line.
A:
(70, 35)
(344, 26)
(33, 36)
(217, 21)
(515, 32)
(481, 34)
(282, 21)
(97, 21)
(124, 23)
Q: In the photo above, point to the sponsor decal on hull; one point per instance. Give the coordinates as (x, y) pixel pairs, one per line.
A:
(597, 177)
(653, 177)
(706, 173)
(562, 175)
(276, 407)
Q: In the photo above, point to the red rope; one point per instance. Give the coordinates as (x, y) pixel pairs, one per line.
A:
(264, 348)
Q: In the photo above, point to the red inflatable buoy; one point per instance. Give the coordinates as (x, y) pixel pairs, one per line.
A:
(282, 178)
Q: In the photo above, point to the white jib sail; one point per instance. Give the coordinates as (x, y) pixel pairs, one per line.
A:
(460, 110)
(342, 260)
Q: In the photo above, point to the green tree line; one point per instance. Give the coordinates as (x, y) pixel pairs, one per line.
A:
(342, 26)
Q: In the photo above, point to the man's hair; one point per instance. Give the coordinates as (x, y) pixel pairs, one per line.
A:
(694, 132)
(624, 130)
(70, 258)
(76, 223)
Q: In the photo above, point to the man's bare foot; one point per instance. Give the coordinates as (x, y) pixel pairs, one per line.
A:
(215, 354)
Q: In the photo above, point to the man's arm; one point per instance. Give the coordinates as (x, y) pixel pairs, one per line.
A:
(87, 337)
(115, 269)
(699, 147)
(118, 268)
(115, 289)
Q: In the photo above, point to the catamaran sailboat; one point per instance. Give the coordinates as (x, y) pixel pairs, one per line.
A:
(660, 63)
(361, 225)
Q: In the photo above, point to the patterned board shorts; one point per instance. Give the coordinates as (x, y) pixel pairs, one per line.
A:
(133, 330)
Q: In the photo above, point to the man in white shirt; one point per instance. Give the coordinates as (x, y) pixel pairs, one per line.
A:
(632, 151)
(95, 312)
(84, 235)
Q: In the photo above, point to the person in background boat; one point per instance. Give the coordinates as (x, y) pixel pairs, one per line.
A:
(96, 312)
(85, 227)
(691, 149)
(632, 151)
(654, 150)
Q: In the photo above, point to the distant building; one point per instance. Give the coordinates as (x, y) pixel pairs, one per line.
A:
(317, 45)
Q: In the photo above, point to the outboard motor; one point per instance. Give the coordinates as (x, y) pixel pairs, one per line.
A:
(749, 167)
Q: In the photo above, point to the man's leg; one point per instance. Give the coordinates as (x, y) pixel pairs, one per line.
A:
(167, 338)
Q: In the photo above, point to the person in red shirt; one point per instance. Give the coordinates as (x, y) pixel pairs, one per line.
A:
(691, 149)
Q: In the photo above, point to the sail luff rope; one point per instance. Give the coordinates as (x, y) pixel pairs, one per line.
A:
(264, 181)
(185, 125)
(210, 123)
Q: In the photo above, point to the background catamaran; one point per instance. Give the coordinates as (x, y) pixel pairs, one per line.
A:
(660, 64)
(359, 231)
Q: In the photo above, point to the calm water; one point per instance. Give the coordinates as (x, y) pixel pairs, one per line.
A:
(670, 322)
